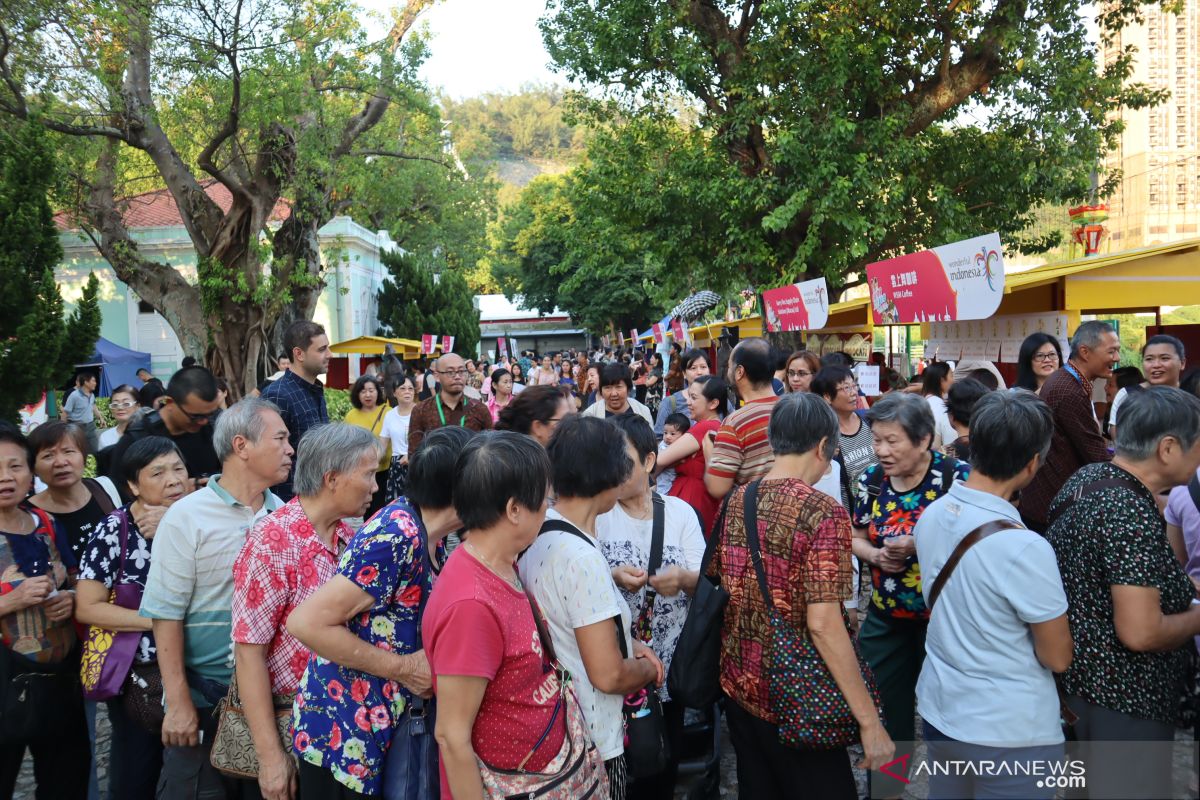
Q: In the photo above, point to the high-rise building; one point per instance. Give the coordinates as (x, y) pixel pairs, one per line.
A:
(1159, 152)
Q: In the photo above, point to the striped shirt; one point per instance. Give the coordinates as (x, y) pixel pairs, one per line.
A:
(742, 451)
(191, 574)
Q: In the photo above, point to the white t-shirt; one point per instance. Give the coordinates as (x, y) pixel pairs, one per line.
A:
(944, 432)
(626, 540)
(395, 429)
(979, 652)
(1116, 404)
(573, 585)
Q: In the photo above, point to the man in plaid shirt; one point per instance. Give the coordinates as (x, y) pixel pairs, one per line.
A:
(299, 393)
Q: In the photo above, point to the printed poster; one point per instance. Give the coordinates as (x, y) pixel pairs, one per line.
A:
(797, 307)
(659, 336)
(960, 281)
(677, 331)
(427, 343)
(447, 344)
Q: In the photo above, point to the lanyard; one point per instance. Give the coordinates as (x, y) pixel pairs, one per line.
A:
(1069, 367)
(462, 423)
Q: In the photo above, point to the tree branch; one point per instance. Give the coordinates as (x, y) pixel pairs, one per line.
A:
(232, 119)
(404, 156)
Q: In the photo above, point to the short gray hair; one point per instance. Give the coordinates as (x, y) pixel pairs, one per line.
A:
(243, 418)
(1148, 416)
(335, 447)
(799, 422)
(1089, 335)
(910, 411)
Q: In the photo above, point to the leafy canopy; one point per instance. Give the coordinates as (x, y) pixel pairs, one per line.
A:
(415, 301)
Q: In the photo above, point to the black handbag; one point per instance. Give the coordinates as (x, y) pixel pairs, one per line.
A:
(36, 698)
(695, 676)
(647, 751)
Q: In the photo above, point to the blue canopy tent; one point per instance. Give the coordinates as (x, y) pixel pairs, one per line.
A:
(117, 365)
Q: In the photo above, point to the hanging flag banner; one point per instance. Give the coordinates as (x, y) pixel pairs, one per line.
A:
(677, 330)
(659, 336)
(959, 281)
(447, 344)
(502, 347)
(798, 307)
(633, 334)
(512, 347)
(427, 343)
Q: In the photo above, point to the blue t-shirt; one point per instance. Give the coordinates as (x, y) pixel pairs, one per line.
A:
(979, 652)
(344, 718)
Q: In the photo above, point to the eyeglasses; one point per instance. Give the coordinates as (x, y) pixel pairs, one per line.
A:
(849, 388)
(1045, 356)
(798, 373)
(195, 417)
(123, 404)
(457, 372)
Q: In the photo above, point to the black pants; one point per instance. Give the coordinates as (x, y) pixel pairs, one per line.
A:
(662, 785)
(766, 769)
(318, 783)
(61, 763)
(135, 759)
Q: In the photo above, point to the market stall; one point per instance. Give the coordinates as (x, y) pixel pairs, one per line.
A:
(342, 373)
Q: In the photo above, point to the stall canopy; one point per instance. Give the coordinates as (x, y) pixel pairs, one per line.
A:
(117, 365)
(376, 345)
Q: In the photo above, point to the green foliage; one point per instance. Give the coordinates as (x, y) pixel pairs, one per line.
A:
(414, 302)
(337, 401)
(549, 254)
(82, 331)
(765, 141)
(33, 337)
(531, 124)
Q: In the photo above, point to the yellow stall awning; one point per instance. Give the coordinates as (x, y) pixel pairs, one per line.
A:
(376, 345)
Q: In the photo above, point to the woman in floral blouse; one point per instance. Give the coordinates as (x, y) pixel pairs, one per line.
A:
(888, 500)
(363, 721)
(157, 478)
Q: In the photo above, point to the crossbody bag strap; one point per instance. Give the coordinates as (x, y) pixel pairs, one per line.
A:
(551, 660)
(750, 517)
(566, 527)
(1194, 490)
(657, 534)
(1085, 490)
(970, 540)
(99, 495)
(124, 516)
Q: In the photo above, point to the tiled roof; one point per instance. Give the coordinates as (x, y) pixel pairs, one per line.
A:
(158, 209)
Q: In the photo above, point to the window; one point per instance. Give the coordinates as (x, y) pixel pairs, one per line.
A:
(145, 308)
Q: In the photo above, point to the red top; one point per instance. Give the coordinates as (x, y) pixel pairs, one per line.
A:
(477, 625)
(689, 478)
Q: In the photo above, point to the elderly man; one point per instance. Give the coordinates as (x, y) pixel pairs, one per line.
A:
(615, 387)
(741, 451)
(449, 406)
(189, 591)
(299, 393)
(1095, 349)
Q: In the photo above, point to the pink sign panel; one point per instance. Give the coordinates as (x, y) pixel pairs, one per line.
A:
(427, 343)
(677, 330)
(959, 281)
(659, 336)
(447, 344)
(797, 307)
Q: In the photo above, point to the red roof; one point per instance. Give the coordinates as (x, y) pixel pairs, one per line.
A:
(158, 209)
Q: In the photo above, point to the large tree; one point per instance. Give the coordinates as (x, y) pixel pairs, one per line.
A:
(419, 298)
(39, 349)
(764, 141)
(272, 99)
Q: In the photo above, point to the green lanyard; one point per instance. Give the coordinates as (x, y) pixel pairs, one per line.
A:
(462, 423)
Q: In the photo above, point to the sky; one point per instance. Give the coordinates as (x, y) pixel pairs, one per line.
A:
(480, 46)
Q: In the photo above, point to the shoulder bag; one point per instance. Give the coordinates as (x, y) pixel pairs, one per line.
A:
(108, 655)
(233, 750)
(1084, 491)
(695, 676)
(973, 538)
(577, 771)
(647, 751)
(812, 712)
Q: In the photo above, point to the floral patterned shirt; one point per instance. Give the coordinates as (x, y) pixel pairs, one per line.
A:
(891, 514)
(344, 718)
(281, 564)
(101, 561)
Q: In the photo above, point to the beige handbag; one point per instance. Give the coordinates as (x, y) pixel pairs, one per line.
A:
(233, 750)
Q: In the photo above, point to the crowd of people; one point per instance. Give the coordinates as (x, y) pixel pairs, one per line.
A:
(535, 536)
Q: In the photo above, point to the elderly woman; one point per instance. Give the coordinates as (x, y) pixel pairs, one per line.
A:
(362, 724)
(889, 498)
(856, 445)
(1163, 358)
(496, 693)
(803, 536)
(119, 550)
(77, 503)
(615, 388)
(287, 557)
(369, 410)
(799, 371)
(536, 412)
(43, 714)
(567, 574)
(1130, 600)
(999, 630)
(123, 403)
(658, 601)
